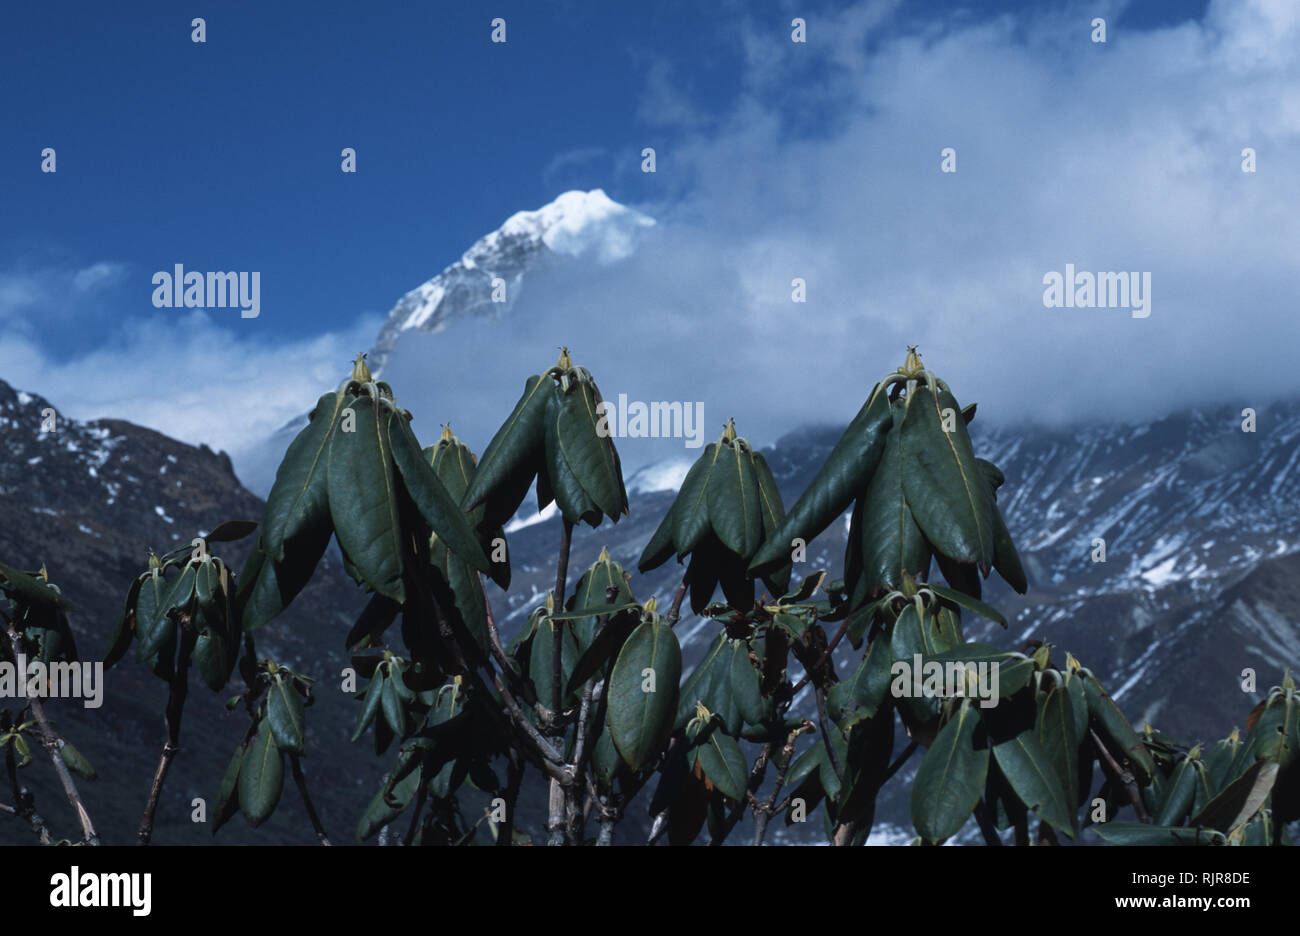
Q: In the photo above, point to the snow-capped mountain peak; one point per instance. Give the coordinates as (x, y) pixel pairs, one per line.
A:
(487, 279)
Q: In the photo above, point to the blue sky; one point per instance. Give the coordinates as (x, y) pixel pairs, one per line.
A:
(225, 155)
(773, 157)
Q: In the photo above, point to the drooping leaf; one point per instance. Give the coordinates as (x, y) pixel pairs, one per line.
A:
(363, 499)
(298, 505)
(866, 688)
(691, 509)
(374, 695)
(1240, 800)
(746, 690)
(212, 659)
(643, 692)
(734, 503)
(1056, 734)
(889, 541)
(556, 479)
(589, 453)
(228, 796)
(152, 634)
(286, 716)
(966, 601)
(842, 478)
(1115, 728)
(261, 777)
(772, 510)
(696, 687)
(720, 758)
(944, 487)
(660, 548)
(124, 632)
(1029, 770)
(513, 451)
(951, 777)
(436, 505)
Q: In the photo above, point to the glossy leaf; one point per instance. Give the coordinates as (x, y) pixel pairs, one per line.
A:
(1029, 770)
(298, 505)
(723, 763)
(889, 541)
(286, 715)
(589, 454)
(438, 508)
(944, 487)
(261, 777)
(951, 777)
(363, 499)
(639, 720)
(842, 478)
(513, 450)
(691, 509)
(734, 503)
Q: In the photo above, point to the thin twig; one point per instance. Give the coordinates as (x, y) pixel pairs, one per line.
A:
(822, 720)
(53, 745)
(25, 803)
(178, 686)
(674, 612)
(769, 809)
(301, 781)
(821, 660)
(1123, 776)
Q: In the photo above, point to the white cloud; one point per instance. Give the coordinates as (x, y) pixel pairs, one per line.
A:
(96, 275)
(180, 373)
(1117, 157)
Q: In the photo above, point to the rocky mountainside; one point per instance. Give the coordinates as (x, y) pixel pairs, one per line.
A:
(1199, 520)
(88, 501)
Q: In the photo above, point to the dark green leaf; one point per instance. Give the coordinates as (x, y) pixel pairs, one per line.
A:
(889, 541)
(1141, 833)
(261, 777)
(691, 509)
(590, 455)
(1240, 800)
(286, 716)
(363, 499)
(1029, 770)
(639, 720)
(720, 757)
(298, 505)
(734, 502)
(842, 478)
(436, 505)
(514, 450)
(951, 777)
(944, 487)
